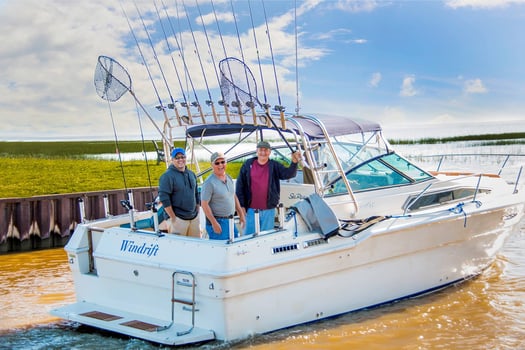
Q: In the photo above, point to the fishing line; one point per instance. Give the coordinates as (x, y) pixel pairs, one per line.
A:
(152, 82)
(145, 153)
(117, 146)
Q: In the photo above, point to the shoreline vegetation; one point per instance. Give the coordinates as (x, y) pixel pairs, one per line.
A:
(36, 168)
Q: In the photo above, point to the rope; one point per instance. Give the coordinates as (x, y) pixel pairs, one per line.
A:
(292, 214)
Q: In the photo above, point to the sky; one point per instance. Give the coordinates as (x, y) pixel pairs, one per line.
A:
(410, 63)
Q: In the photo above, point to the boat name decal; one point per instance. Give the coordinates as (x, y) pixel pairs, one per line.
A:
(296, 196)
(131, 247)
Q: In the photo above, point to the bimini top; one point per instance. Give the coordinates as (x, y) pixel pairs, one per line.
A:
(335, 126)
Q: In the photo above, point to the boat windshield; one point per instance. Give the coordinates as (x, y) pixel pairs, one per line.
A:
(369, 163)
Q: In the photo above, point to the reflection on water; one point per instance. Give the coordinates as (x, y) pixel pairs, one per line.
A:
(487, 312)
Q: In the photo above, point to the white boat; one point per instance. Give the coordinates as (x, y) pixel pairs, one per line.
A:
(368, 227)
(399, 231)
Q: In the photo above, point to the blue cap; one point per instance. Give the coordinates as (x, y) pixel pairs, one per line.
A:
(176, 151)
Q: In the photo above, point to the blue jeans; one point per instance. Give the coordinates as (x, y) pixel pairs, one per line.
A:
(225, 227)
(266, 220)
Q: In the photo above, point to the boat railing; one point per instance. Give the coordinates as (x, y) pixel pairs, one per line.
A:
(318, 170)
(457, 176)
(508, 159)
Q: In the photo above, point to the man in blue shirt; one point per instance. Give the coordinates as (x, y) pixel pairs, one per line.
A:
(179, 196)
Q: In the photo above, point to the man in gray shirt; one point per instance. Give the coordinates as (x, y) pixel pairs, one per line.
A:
(218, 200)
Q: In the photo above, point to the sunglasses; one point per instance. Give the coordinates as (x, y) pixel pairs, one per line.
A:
(220, 162)
(180, 157)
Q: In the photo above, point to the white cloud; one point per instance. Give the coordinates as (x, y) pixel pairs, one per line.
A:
(333, 34)
(481, 3)
(48, 62)
(474, 86)
(407, 87)
(375, 80)
(357, 5)
(209, 18)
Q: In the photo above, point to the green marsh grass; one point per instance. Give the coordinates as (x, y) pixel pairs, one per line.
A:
(41, 168)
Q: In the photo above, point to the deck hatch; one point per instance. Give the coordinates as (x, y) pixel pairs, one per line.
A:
(285, 248)
(144, 326)
(101, 316)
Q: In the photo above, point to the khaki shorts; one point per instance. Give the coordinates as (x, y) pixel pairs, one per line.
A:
(185, 227)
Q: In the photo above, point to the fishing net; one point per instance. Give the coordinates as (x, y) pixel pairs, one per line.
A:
(238, 86)
(111, 79)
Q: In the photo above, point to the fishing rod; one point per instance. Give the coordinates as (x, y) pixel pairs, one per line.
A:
(251, 105)
(155, 56)
(209, 102)
(224, 103)
(280, 107)
(167, 125)
(187, 72)
(185, 104)
(296, 60)
(212, 59)
(141, 54)
(265, 105)
(173, 105)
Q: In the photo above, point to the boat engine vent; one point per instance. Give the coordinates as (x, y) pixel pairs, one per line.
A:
(315, 242)
(285, 248)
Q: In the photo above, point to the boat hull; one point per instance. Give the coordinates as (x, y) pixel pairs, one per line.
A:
(275, 280)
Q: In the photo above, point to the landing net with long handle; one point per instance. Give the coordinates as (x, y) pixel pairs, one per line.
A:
(112, 81)
(239, 88)
(237, 82)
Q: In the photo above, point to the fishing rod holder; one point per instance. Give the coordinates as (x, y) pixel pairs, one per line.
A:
(127, 205)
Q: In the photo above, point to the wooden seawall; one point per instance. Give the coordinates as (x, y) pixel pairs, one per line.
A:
(48, 221)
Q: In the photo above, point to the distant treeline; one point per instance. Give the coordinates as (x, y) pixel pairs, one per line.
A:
(74, 149)
(510, 138)
(68, 149)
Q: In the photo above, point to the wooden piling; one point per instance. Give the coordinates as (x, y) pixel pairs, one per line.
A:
(48, 221)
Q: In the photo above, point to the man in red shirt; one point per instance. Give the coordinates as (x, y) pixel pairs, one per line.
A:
(258, 186)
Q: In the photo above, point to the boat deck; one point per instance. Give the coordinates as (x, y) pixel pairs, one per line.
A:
(135, 325)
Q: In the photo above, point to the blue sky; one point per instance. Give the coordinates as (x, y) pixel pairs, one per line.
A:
(396, 62)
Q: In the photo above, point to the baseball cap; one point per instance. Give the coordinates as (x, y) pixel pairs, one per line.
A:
(176, 151)
(263, 144)
(217, 155)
